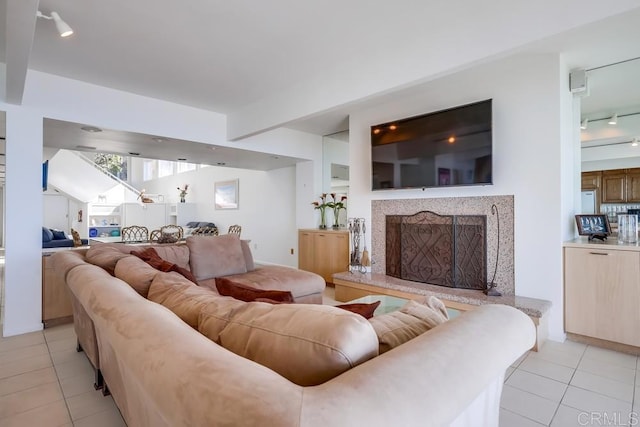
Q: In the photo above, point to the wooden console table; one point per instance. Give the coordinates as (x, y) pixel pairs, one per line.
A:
(350, 286)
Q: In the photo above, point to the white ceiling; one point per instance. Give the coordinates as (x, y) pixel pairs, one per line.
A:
(223, 56)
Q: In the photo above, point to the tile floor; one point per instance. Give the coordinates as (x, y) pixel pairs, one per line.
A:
(45, 382)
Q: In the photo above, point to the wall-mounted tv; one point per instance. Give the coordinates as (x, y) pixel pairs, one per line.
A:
(445, 148)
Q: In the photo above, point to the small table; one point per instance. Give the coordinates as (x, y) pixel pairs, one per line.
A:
(389, 303)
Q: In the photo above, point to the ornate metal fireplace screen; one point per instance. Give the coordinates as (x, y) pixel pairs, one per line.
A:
(445, 250)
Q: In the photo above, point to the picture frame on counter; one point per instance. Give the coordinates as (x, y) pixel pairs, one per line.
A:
(593, 225)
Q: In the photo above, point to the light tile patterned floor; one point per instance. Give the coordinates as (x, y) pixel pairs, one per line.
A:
(45, 382)
(572, 384)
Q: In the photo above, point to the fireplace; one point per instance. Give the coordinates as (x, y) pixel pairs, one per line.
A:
(445, 250)
(498, 245)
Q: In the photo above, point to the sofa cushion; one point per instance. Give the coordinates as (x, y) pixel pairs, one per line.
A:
(413, 319)
(276, 277)
(151, 257)
(176, 254)
(137, 273)
(106, 255)
(241, 292)
(47, 235)
(182, 297)
(215, 256)
(287, 337)
(215, 315)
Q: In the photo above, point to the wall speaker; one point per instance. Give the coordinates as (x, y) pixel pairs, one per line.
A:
(578, 81)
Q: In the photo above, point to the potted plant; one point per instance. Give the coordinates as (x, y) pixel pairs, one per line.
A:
(322, 206)
(337, 205)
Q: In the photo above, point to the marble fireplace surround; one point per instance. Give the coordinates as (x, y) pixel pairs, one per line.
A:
(481, 205)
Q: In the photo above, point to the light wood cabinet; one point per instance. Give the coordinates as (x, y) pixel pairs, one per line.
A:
(56, 298)
(323, 252)
(602, 293)
(591, 180)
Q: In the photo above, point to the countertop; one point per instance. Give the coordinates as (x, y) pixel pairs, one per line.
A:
(610, 243)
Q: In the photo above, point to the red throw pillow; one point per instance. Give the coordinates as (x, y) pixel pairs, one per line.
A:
(229, 288)
(151, 257)
(364, 310)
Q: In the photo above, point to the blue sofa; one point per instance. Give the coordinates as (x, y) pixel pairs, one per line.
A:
(57, 239)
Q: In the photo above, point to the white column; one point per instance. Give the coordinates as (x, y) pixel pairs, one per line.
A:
(23, 215)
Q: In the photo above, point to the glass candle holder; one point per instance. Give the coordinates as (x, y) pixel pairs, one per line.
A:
(627, 228)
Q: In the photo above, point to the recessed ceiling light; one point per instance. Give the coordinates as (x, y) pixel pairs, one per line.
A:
(181, 159)
(214, 148)
(91, 129)
(275, 157)
(613, 120)
(133, 153)
(86, 147)
(158, 139)
(221, 163)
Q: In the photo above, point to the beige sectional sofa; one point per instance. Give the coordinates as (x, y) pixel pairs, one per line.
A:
(189, 357)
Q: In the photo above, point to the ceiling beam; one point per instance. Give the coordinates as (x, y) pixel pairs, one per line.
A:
(20, 29)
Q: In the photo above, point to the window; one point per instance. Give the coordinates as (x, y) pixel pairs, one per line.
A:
(185, 167)
(148, 169)
(165, 168)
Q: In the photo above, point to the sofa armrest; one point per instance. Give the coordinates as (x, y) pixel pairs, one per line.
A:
(429, 380)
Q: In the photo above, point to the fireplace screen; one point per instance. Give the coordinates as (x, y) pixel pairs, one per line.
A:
(445, 250)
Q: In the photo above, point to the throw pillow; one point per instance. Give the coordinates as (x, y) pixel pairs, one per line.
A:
(151, 257)
(413, 319)
(58, 234)
(239, 291)
(364, 310)
(47, 235)
(215, 256)
(248, 256)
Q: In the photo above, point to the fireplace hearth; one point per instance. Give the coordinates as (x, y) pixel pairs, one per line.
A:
(444, 250)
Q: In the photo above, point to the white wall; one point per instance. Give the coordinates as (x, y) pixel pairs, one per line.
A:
(65, 99)
(527, 162)
(267, 208)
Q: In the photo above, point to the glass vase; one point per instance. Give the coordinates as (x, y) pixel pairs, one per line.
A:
(336, 217)
(182, 200)
(323, 221)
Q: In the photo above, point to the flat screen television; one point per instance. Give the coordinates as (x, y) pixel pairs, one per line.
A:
(445, 148)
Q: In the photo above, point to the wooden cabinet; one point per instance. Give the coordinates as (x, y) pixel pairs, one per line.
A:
(56, 299)
(323, 252)
(633, 185)
(620, 186)
(602, 293)
(591, 180)
(614, 186)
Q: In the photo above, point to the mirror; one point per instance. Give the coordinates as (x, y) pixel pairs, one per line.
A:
(335, 167)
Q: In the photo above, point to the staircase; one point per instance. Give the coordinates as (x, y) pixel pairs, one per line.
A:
(78, 177)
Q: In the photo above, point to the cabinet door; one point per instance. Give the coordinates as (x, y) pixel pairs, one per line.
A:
(633, 185)
(155, 215)
(133, 215)
(613, 187)
(331, 254)
(602, 294)
(591, 180)
(305, 251)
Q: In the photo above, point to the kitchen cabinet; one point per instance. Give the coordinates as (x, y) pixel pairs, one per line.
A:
(182, 213)
(591, 180)
(621, 186)
(323, 252)
(602, 292)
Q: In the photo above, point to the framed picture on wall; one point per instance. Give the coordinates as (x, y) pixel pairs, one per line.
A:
(226, 194)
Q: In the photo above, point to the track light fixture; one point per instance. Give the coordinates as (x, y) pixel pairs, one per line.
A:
(584, 124)
(614, 119)
(63, 28)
